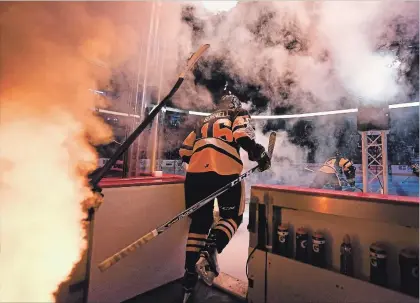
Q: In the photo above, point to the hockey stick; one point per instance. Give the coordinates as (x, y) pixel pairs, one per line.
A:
(161, 229)
(98, 175)
(123, 147)
(405, 179)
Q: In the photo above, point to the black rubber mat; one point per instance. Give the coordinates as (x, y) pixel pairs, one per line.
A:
(172, 293)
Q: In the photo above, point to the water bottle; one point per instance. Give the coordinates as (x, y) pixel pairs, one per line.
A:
(318, 250)
(283, 240)
(302, 245)
(409, 272)
(378, 262)
(346, 257)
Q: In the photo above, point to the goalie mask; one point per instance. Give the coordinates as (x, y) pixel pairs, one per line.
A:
(230, 102)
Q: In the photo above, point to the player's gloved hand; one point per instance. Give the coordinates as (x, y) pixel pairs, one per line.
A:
(256, 152)
(96, 199)
(351, 182)
(264, 162)
(97, 190)
(259, 155)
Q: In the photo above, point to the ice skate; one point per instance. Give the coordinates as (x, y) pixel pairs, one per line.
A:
(188, 284)
(187, 295)
(207, 266)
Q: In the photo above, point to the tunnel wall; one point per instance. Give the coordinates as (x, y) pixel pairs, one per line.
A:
(132, 208)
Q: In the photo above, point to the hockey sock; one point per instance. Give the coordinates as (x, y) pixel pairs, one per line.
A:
(223, 232)
(195, 243)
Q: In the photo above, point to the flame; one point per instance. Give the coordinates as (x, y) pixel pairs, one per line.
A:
(47, 129)
(41, 192)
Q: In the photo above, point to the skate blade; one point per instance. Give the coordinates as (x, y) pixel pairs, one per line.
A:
(204, 276)
(186, 297)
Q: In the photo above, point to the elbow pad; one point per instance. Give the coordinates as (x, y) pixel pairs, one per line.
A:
(255, 151)
(186, 159)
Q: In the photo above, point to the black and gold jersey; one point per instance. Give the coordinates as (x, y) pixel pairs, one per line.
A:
(330, 166)
(214, 145)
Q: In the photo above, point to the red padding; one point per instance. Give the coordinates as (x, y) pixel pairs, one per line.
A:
(141, 181)
(334, 193)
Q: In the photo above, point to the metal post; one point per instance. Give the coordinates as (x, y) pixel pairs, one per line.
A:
(132, 151)
(160, 129)
(364, 162)
(146, 67)
(139, 110)
(155, 125)
(161, 134)
(374, 152)
(126, 157)
(384, 142)
(154, 139)
(158, 123)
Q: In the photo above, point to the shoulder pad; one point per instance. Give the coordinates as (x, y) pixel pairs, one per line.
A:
(241, 112)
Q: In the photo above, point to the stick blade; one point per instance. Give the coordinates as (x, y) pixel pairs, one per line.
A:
(271, 143)
(194, 58)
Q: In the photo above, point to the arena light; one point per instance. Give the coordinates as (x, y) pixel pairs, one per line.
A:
(403, 105)
(97, 92)
(198, 113)
(110, 112)
(316, 114)
(176, 110)
(219, 6)
(294, 116)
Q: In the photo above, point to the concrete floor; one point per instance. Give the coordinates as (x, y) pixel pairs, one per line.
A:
(172, 293)
(235, 267)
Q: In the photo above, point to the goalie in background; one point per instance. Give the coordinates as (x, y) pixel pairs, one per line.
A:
(212, 154)
(329, 173)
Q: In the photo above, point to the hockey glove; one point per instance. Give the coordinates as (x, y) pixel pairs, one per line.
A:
(95, 200)
(256, 152)
(97, 190)
(351, 182)
(264, 162)
(259, 155)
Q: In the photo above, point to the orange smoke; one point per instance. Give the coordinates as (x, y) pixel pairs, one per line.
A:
(47, 130)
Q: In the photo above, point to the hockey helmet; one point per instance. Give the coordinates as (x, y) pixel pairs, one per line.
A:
(230, 102)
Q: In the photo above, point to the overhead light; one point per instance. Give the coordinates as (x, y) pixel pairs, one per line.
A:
(292, 116)
(219, 6)
(191, 112)
(403, 105)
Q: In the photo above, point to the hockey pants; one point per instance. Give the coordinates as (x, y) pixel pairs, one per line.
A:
(231, 207)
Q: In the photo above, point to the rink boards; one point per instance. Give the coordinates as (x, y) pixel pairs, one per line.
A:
(133, 207)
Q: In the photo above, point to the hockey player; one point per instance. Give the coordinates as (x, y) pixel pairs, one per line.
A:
(212, 154)
(415, 169)
(331, 169)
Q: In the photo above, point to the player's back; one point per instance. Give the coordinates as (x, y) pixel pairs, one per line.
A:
(215, 148)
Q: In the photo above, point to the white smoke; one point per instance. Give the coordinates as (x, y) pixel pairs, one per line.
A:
(307, 56)
(286, 161)
(314, 56)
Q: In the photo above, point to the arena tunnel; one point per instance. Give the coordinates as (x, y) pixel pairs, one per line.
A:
(295, 244)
